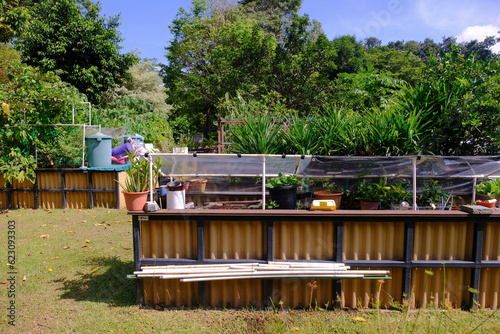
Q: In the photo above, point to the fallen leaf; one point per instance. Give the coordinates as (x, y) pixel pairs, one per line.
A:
(50, 269)
(53, 258)
(24, 278)
(4, 282)
(84, 246)
(117, 221)
(41, 252)
(67, 219)
(294, 329)
(66, 247)
(94, 270)
(157, 307)
(45, 236)
(29, 254)
(87, 241)
(101, 225)
(359, 319)
(84, 221)
(127, 248)
(107, 211)
(85, 287)
(43, 225)
(109, 224)
(111, 242)
(69, 231)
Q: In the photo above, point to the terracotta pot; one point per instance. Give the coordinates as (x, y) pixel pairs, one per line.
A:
(135, 201)
(198, 185)
(482, 197)
(488, 203)
(369, 205)
(336, 195)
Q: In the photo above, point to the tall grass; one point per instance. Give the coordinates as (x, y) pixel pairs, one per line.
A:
(261, 135)
(396, 130)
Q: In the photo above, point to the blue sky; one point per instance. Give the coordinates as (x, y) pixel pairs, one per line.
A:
(144, 24)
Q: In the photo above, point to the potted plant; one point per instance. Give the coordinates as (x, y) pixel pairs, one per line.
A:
(330, 192)
(433, 195)
(398, 195)
(136, 186)
(486, 192)
(372, 194)
(283, 190)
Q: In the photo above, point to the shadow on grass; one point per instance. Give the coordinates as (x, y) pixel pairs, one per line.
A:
(108, 284)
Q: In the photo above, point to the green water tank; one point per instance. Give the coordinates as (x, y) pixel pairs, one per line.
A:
(135, 139)
(98, 150)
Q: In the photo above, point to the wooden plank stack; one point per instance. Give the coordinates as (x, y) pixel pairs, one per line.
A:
(295, 270)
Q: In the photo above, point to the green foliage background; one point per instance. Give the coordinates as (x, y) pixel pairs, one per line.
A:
(259, 61)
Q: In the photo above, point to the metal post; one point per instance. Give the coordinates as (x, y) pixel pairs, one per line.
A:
(150, 160)
(83, 149)
(136, 234)
(414, 166)
(263, 182)
(474, 183)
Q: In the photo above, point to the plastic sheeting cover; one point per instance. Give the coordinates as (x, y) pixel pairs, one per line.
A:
(427, 166)
(231, 165)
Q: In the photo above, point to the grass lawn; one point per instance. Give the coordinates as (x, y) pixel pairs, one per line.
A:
(71, 277)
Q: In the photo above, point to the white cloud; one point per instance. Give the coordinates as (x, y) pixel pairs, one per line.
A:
(479, 33)
(444, 14)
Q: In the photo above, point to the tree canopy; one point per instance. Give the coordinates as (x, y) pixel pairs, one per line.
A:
(69, 38)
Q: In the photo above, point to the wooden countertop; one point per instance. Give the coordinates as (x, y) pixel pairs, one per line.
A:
(309, 213)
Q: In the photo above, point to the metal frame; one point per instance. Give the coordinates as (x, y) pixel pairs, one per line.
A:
(476, 263)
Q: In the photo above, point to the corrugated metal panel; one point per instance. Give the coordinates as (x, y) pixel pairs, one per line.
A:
(358, 293)
(235, 240)
(77, 200)
(169, 239)
(443, 241)
(427, 290)
(304, 241)
(489, 288)
(296, 293)
(373, 241)
(169, 292)
(105, 180)
(22, 199)
(235, 293)
(49, 199)
(491, 243)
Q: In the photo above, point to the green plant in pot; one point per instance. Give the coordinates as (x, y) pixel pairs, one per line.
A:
(136, 185)
(486, 192)
(399, 194)
(371, 194)
(330, 191)
(433, 195)
(283, 190)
